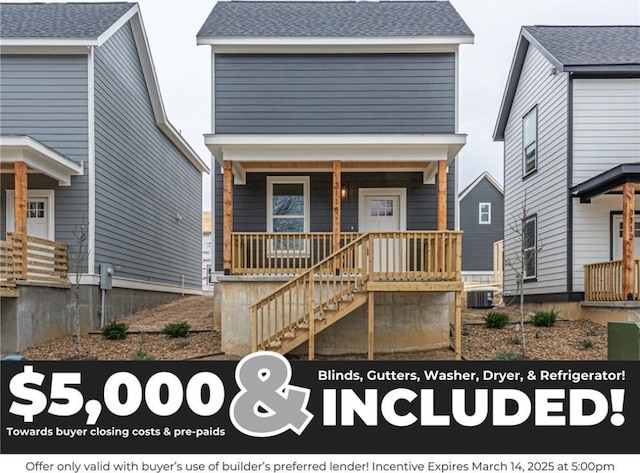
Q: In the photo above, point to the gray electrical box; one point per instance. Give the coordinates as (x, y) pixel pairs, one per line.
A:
(623, 341)
(106, 276)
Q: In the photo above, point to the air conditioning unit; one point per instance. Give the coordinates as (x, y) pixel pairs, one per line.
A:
(479, 299)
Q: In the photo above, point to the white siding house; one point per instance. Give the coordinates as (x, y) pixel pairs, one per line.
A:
(582, 85)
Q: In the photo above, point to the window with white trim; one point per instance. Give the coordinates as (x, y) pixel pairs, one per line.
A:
(530, 238)
(484, 213)
(530, 141)
(288, 209)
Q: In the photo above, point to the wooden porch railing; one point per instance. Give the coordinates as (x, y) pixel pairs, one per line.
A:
(375, 256)
(399, 255)
(281, 253)
(7, 267)
(297, 301)
(46, 260)
(603, 281)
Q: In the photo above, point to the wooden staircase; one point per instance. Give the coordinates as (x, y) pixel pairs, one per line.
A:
(314, 300)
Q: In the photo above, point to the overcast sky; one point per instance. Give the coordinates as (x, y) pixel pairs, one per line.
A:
(183, 67)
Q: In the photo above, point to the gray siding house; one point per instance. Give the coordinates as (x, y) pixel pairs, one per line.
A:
(482, 224)
(334, 123)
(87, 150)
(570, 121)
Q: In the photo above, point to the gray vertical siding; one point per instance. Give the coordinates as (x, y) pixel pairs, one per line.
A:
(335, 93)
(148, 196)
(478, 239)
(46, 97)
(250, 206)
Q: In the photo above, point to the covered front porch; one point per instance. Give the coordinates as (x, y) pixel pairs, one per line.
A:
(329, 273)
(617, 279)
(24, 255)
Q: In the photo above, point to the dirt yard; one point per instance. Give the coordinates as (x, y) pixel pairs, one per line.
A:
(579, 340)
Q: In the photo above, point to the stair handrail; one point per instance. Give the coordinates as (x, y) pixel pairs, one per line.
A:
(338, 273)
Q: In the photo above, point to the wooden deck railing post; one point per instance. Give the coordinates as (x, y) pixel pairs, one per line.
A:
(628, 230)
(442, 195)
(20, 212)
(312, 316)
(337, 198)
(254, 329)
(227, 215)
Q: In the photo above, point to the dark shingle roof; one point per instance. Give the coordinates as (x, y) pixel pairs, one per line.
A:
(333, 19)
(589, 45)
(59, 20)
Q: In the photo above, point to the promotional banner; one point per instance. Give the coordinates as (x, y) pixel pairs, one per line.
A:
(267, 404)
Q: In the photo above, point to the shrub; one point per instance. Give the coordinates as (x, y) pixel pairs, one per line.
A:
(515, 340)
(545, 318)
(115, 330)
(505, 356)
(177, 329)
(141, 355)
(495, 320)
(587, 343)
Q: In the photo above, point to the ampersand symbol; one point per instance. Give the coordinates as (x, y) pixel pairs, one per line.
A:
(266, 404)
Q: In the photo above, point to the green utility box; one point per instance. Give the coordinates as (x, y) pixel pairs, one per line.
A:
(623, 341)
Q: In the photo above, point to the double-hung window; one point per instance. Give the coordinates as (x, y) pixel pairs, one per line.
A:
(530, 141)
(288, 211)
(484, 213)
(530, 238)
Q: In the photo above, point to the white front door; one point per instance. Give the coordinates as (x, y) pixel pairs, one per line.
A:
(616, 238)
(39, 213)
(383, 210)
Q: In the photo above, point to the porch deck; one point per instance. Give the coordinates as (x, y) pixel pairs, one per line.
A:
(324, 289)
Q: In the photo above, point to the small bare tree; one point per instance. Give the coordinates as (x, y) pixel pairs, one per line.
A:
(519, 261)
(78, 259)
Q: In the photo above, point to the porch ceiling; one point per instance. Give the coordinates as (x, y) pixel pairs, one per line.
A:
(316, 153)
(608, 181)
(38, 157)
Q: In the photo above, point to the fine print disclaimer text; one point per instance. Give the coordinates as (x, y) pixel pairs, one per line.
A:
(468, 465)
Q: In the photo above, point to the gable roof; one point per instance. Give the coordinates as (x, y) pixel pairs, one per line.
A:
(347, 18)
(59, 20)
(613, 50)
(67, 25)
(485, 175)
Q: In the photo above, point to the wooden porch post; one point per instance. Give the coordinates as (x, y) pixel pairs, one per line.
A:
(20, 213)
(337, 184)
(628, 272)
(227, 215)
(442, 195)
(370, 323)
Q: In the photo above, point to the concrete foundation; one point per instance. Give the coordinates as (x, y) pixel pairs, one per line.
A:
(43, 312)
(404, 321)
(566, 310)
(604, 312)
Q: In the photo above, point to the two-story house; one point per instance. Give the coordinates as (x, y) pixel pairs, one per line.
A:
(570, 122)
(482, 223)
(94, 176)
(335, 133)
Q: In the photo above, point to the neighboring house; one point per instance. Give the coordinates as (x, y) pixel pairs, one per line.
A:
(570, 121)
(336, 127)
(88, 153)
(482, 224)
(207, 241)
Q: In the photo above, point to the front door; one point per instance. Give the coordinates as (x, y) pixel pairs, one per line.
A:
(38, 214)
(381, 211)
(616, 238)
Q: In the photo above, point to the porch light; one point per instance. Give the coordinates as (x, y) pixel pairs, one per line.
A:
(344, 193)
